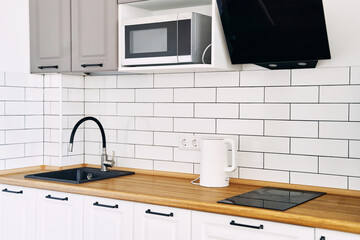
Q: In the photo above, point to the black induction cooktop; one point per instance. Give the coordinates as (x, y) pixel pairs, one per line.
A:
(272, 198)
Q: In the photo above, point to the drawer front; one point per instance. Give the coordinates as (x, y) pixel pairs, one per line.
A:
(323, 234)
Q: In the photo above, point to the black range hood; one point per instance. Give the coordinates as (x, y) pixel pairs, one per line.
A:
(276, 34)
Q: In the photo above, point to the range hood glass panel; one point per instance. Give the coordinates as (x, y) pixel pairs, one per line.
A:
(261, 31)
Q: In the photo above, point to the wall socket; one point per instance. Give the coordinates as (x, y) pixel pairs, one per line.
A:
(189, 143)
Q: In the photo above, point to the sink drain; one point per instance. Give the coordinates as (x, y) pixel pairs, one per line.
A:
(89, 176)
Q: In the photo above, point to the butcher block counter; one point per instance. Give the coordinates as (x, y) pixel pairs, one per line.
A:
(337, 210)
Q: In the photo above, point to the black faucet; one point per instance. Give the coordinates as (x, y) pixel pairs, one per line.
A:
(105, 163)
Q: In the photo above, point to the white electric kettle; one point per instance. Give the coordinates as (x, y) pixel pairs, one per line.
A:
(214, 167)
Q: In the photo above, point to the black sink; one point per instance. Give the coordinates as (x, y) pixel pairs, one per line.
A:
(79, 175)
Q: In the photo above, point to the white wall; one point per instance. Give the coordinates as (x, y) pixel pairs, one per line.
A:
(14, 36)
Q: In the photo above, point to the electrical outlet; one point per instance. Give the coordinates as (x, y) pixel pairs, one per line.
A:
(190, 143)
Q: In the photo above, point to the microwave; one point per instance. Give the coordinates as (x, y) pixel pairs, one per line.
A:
(169, 39)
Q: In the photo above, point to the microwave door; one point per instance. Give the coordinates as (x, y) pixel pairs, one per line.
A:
(151, 44)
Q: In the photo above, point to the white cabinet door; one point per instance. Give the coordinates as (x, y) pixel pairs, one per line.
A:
(17, 213)
(59, 216)
(152, 222)
(323, 234)
(107, 219)
(209, 226)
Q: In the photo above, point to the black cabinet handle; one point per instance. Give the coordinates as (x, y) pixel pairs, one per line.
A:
(160, 214)
(56, 198)
(103, 205)
(322, 238)
(247, 226)
(92, 65)
(9, 191)
(45, 67)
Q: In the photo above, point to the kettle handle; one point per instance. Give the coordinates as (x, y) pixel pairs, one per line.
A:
(233, 155)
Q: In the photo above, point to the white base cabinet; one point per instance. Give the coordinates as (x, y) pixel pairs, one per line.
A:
(153, 222)
(17, 213)
(209, 226)
(107, 219)
(59, 216)
(324, 234)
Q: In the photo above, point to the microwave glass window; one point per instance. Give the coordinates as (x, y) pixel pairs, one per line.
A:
(148, 41)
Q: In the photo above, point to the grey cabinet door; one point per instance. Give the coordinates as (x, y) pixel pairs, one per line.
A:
(94, 35)
(50, 36)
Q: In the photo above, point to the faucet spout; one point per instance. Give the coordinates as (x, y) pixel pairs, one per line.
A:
(105, 163)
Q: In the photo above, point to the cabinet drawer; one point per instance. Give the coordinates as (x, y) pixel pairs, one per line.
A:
(153, 222)
(208, 226)
(108, 219)
(324, 234)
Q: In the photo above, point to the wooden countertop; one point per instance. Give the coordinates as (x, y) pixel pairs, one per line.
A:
(337, 210)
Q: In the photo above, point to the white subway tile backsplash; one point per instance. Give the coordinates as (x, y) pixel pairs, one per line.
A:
(355, 75)
(75, 95)
(92, 134)
(154, 152)
(92, 95)
(36, 80)
(72, 81)
(135, 137)
(34, 94)
(135, 109)
(296, 163)
(173, 109)
(2, 78)
(100, 82)
(34, 121)
(24, 136)
(174, 80)
(12, 94)
(51, 94)
(264, 175)
(2, 137)
(354, 149)
(195, 95)
(321, 147)
(72, 108)
(254, 94)
(265, 111)
(187, 156)
(23, 108)
(135, 163)
(100, 109)
(217, 79)
(339, 166)
(93, 148)
(250, 159)
(265, 78)
(16, 79)
(291, 94)
(23, 162)
(154, 95)
(340, 94)
(135, 81)
(168, 138)
(116, 95)
(216, 110)
(112, 122)
(121, 150)
(342, 130)
(321, 180)
(354, 183)
(320, 76)
(291, 128)
(247, 127)
(2, 108)
(34, 149)
(264, 144)
(354, 112)
(12, 151)
(153, 124)
(329, 112)
(11, 122)
(173, 166)
(194, 125)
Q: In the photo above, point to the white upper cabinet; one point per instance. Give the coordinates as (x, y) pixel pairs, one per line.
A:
(209, 226)
(107, 219)
(323, 234)
(17, 213)
(153, 222)
(59, 216)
